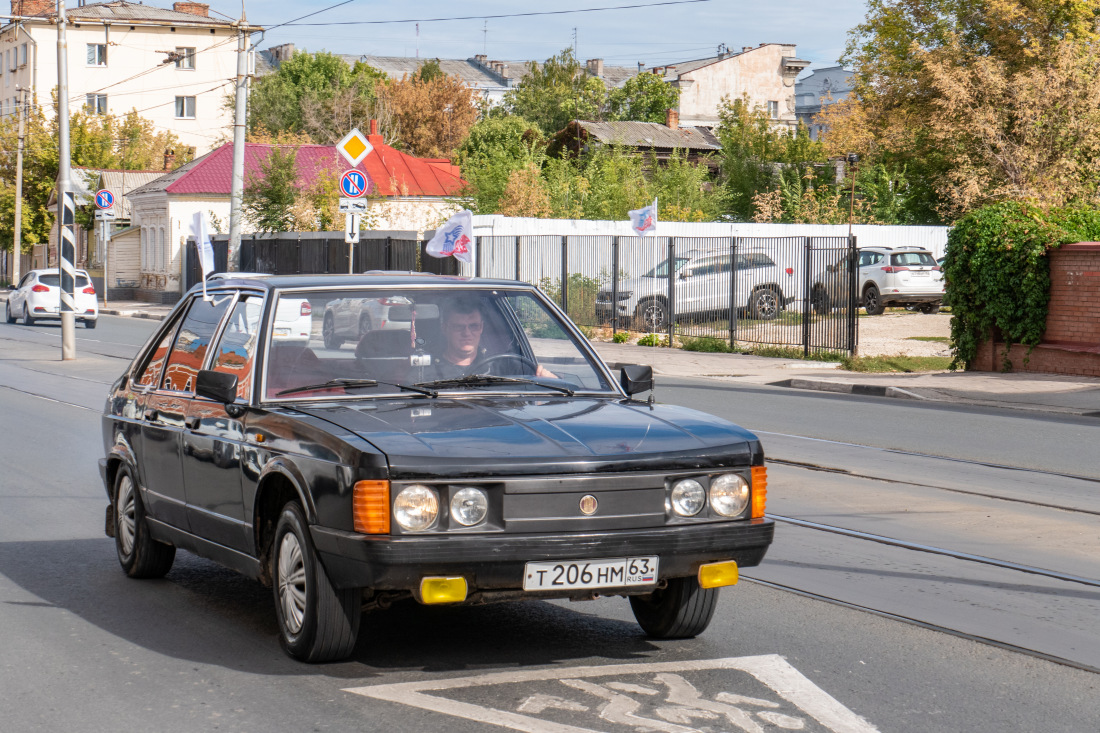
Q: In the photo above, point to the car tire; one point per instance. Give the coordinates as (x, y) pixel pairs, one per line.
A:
(317, 622)
(765, 304)
(28, 320)
(679, 611)
(930, 308)
(651, 316)
(90, 323)
(819, 301)
(365, 325)
(7, 313)
(328, 333)
(139, 554)
(872, 301)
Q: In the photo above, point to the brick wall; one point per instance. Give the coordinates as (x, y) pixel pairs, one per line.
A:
(1071, 341)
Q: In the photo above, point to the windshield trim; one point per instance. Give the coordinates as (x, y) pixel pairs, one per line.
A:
(582, 342)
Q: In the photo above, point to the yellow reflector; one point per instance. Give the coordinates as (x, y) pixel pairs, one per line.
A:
(718, 574)
(759, 490)
(442, 590)
(370, 507)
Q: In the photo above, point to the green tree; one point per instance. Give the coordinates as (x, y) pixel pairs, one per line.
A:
(494, 150)
(271, 197)
(643, 98)
(555, 92)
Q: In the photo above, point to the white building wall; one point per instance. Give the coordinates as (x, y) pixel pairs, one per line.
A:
(131, 50)
(757, 74)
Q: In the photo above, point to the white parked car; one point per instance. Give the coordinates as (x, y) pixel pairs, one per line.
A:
(38, 297)
(293, 317)
(903, 276)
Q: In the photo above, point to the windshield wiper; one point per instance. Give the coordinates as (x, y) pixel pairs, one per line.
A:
(484, 380)
(356, 383)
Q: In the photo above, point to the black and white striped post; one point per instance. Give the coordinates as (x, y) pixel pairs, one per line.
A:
(66, 241)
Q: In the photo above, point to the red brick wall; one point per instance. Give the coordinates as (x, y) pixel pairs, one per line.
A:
(1071, 342)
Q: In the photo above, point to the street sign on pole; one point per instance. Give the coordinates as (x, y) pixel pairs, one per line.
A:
(351, 228)
(353, 206)
(354, 147)
(104, 199)
(353, 183)
(104, 215)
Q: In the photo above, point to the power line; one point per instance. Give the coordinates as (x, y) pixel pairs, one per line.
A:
(492, 17)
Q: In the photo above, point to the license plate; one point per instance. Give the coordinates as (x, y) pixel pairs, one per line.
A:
(919, 273)
(570, 574)
(282, 331)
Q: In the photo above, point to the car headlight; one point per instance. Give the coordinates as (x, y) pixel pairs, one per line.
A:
(469, 506)
(729, 494)
(688, 497)
(416, 507)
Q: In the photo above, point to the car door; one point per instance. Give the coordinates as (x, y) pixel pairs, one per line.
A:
(213, 441)
(166, 410)
(19, 296)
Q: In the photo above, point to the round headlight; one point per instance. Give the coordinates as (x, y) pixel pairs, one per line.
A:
(469, 506)
(416, 507)
(729, 495)
(688, 497)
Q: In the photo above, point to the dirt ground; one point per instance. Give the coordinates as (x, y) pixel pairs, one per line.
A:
(889, 334)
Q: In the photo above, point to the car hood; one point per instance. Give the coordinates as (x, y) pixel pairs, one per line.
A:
(517, 435)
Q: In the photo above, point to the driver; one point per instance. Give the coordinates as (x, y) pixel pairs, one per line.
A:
(462, 324)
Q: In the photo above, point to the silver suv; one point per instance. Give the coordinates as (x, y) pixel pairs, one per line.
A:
(888, 276)
(702, 286)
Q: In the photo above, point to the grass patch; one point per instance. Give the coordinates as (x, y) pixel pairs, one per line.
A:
(709, 345)
(937, 339)
(906, 364)
(792, 352)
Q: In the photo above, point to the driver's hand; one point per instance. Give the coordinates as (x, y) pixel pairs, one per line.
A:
(542, 371)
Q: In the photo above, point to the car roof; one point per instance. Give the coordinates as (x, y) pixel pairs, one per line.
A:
(383, 279)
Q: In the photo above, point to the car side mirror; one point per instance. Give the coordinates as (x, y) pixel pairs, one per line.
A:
(217, 386)
(685, 274)
(636, 378)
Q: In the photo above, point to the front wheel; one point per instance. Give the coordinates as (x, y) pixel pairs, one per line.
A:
(930, 308)
(139, 554)
(7, 313)
(819, 301)
(872, 301)
(764, 305)
(328, 333)
(317, 622)
(679, 611)
(652, 316)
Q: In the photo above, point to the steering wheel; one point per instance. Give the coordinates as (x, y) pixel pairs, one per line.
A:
(488, 361)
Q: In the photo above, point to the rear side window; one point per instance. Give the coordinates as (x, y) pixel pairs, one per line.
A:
(192, 343)
(912, 259)
(237, 348)
(150, 375)
(54, 281)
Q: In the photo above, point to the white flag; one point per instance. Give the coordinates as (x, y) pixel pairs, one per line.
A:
(644, 220)
(204, 247)
(455, 238)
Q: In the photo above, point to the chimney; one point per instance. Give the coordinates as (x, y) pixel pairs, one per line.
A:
(479, 59)
(169, 159)
(32, 7)
(672, 119)
(282, 52)
(746, 49)
(641, 66)
(670, 70)
(200, 9)
(374, 138)
(595, 67)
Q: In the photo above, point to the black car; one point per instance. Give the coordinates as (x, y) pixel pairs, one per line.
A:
(481, 452)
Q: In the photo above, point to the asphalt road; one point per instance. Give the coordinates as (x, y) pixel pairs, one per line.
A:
(86, 649)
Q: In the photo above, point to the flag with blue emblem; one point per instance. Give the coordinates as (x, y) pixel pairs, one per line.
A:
(454, 239)
(644, 220)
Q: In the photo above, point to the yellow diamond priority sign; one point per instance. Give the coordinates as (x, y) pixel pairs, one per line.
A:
(354, 147)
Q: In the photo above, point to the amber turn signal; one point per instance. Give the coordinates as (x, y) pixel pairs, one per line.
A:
(759, 490)
(718, 574)
(442, 590)
(370, 507)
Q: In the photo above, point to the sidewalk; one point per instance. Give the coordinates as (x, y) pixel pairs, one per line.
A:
(1033, 392)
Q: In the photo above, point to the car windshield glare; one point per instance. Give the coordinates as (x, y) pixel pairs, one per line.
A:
(324, 344)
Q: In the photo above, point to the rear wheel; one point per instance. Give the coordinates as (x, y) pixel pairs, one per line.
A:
(27, 319)
(679, 611)
(328, 332)
(7, 313)
(317, 622)
(764, 305)
(819, 301)
(89, 323)
(930, 308)
(872, 301)
(139, 554)
(652, 316)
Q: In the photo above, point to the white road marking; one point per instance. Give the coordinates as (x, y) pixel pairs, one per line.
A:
(684, 702)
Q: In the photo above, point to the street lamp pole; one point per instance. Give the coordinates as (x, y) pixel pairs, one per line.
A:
(66, 207)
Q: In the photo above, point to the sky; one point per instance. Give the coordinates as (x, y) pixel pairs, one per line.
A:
(623, 37)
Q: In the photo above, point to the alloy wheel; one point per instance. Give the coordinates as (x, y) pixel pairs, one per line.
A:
(292, 582)
(125, 519)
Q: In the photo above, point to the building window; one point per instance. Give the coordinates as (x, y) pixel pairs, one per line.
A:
(97, 54)
(23, 55)
(96, 104)
(773, 110)
(185, 57)
(185, 108)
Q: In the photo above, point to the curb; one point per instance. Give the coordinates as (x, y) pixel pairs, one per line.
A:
(866, 390)
(131, 314)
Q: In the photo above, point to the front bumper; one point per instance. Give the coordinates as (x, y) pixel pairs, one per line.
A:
(496, 562)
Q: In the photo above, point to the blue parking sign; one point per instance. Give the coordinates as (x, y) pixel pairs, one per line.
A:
(104, 199)
(353, 183)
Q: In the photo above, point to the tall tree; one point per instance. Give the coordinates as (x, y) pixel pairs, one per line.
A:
(555, 92)
(496, 148)
(642, 98)
(271, 196)
(432, 112)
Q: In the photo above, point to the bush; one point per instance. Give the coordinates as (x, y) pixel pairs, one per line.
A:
(709, 345)
(998, 273)
(652, 339)
(621, 337)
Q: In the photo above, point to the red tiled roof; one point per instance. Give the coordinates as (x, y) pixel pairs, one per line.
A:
(392, 172)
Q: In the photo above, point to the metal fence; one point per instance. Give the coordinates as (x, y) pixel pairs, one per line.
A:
(789, 291)
(302, 253)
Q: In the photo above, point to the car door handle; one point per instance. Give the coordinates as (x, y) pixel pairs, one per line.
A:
(193, 423)
(151, 415)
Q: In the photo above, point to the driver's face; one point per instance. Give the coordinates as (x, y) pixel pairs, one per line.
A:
(463, 334)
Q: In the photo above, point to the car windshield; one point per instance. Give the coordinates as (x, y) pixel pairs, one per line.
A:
(368, 342)
(912, 259)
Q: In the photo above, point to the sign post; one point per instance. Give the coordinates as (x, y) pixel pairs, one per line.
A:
(353, 186)
(104, 203)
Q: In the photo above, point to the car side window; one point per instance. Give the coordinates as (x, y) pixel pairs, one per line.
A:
(192, 343)
(237, 349)
(26, 280)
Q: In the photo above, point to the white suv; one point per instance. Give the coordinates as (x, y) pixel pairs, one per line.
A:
(902, 276)
(38, 296)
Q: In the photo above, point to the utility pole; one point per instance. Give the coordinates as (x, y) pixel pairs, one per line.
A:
(237, 195)
(66, 240)
(17, 249)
